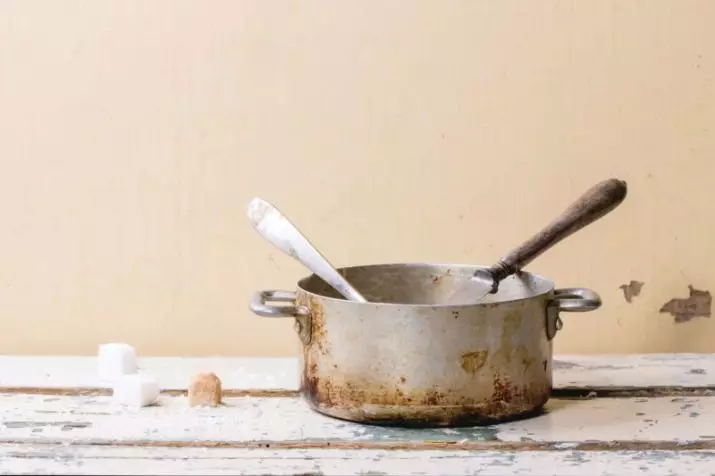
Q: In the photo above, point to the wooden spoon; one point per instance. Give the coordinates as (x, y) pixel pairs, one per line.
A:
(592, 205)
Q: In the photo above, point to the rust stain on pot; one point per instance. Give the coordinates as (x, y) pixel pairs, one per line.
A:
(510, 326)
(523, 355)
(698, 304)
(325, 392)
(431, 406)
(508, 397)
(471, 362)
(631, 290)
(318, 322)
(504, 391)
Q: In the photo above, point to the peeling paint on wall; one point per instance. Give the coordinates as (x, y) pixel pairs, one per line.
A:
(684, 310)
(631, 289)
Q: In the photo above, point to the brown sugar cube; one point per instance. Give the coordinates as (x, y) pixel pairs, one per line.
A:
(205, 390)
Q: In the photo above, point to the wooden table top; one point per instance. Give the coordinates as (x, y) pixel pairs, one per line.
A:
(635, 414)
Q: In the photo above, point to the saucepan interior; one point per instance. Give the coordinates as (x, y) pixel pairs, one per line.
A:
(423, 284)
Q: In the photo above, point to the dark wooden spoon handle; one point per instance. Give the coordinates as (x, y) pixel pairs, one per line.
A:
(592, 205)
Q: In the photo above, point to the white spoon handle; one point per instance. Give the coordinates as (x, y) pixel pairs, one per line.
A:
(277, 229)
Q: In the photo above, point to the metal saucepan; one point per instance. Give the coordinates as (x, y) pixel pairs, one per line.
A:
(396, 360)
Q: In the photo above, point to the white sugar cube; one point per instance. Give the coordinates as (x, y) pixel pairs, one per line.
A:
(115, 360)
(135, 390)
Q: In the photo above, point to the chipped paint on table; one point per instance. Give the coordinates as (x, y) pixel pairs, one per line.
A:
(83, 459)
(241, 421)
(48, 424)
(288, 422)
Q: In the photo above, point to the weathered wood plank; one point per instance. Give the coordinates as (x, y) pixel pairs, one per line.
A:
(288, 422)
(54, 459)
(635, 371)
(172, 372)
(260, 373)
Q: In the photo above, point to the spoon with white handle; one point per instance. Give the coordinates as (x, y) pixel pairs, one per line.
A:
(277, 229)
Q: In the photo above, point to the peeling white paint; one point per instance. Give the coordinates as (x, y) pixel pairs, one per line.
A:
(56, 434)
(246, 419)
(635, 371)
(39, 459)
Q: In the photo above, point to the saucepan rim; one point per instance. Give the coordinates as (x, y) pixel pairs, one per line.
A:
(302, 283)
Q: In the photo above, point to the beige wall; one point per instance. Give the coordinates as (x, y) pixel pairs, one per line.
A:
(133, 133)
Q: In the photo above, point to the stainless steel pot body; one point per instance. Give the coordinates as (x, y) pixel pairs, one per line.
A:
(404, 359)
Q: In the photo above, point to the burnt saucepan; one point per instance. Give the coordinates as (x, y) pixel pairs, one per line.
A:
(406, 358)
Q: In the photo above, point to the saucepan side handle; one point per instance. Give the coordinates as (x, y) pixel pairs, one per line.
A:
(575, 300)
(303, 324)
(259, 306)
(569, 300)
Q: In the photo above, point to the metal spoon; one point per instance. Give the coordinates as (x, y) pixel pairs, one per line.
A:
(592, 205)
(277, 229)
